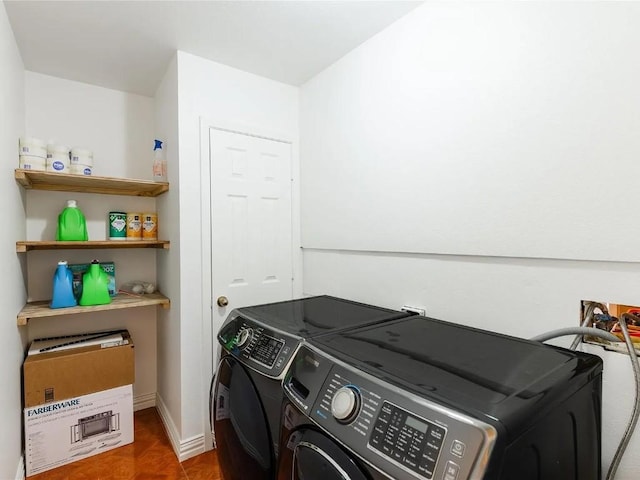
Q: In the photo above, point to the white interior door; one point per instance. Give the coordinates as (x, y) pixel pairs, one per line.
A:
(251, 221)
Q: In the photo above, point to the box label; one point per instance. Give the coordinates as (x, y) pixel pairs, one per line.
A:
(77, 428)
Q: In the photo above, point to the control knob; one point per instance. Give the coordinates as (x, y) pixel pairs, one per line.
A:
(345, 404)
(244, 338)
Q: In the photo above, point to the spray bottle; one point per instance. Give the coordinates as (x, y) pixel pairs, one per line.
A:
(159, 163)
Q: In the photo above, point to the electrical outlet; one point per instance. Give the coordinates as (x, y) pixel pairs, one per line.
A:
(416, 310)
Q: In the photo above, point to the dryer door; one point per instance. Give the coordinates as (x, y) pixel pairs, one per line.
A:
(240, 425)
(317, 457)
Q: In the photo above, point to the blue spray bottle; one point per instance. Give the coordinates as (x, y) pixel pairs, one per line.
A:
(63, 287)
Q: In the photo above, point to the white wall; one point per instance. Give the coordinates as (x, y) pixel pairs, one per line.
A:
(218, 94)
(500, 128)
(12, 338)
(118, 127)
(456, 96)
(169, 325)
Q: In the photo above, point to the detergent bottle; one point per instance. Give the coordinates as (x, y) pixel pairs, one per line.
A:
(95, 290)
(72, 225)
(63, 287)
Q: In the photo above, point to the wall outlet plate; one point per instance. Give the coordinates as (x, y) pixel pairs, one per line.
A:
(415, 310)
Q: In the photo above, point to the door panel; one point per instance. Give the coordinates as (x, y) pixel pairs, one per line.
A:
(316, 457)
(240, 425)
(251, 221)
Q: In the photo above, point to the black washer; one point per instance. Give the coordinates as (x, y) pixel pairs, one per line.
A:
(258, 343)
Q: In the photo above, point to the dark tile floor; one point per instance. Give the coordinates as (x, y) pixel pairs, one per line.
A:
(150, 457)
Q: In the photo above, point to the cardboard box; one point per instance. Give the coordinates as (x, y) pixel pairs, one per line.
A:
(79, 427)
(79, 269)
(58, 375)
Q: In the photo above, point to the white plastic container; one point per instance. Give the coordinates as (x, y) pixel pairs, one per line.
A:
(33, 147)
(29, 162)
(57, 166)
(77, 169)
(58, 152)
(81, 156)
(58, 158)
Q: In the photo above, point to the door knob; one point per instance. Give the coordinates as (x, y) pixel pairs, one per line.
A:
(223, 301)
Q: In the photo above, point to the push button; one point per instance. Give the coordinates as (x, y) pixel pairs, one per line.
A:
(426, 468)
(458, 448)
(451, 471)
(436, 433)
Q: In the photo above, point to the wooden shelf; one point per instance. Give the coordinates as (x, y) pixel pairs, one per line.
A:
(25, 246)
(42, 309)
(50, 181)
(62, 182)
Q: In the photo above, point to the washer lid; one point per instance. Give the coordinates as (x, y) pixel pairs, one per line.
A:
(488, 375)
(313, 316)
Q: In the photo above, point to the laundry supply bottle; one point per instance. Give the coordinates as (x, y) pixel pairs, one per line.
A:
(72, 226)
(95, 286)
(159, 163)
(63, 287)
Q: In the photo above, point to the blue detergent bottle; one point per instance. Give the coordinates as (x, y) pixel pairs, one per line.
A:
(63, 287)
(72, 226)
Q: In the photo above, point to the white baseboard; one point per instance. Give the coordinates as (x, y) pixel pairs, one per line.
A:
(183, 449)
(147, 400)
(20, 470)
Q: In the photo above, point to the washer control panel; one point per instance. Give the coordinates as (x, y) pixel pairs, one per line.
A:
(407, 438)
(400, 433)
(263, 349)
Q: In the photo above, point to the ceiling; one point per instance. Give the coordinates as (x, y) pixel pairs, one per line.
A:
(127, 45)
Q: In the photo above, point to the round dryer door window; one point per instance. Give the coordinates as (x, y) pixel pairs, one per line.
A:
(317, 457)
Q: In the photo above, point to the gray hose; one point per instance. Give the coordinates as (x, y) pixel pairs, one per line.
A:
(596, 332)
(563, 332)
(588, 319)
(636, 407)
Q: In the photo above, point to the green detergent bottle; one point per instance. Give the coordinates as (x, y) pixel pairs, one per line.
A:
(95, 289)
(72, 225)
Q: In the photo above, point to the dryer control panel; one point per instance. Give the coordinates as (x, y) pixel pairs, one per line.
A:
(259, 347)
(393, 429)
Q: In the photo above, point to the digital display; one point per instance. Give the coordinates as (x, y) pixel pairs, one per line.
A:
(414, 423)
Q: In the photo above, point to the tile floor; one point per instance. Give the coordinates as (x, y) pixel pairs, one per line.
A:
(150, 457)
